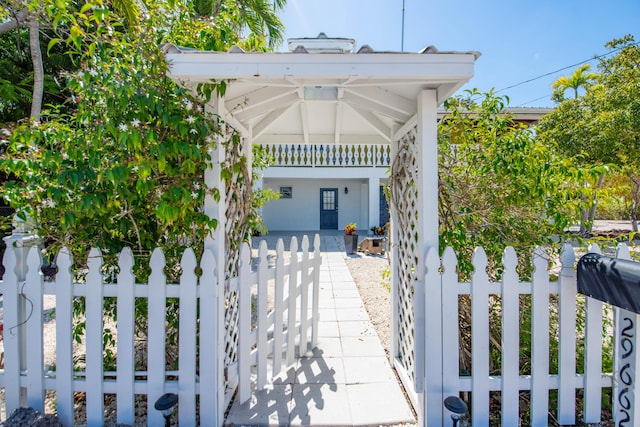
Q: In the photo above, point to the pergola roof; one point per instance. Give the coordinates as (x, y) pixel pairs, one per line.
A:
(322, 98)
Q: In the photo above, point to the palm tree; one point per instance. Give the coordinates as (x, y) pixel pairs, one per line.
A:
(260, 16)
(579, 78)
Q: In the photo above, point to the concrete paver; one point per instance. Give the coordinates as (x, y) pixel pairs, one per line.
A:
(348, 380)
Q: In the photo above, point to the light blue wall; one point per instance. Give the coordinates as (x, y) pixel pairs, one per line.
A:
(302, 211)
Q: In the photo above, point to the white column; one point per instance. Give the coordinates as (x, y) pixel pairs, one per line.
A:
(428, 297)
(216, 243)
(374, 202)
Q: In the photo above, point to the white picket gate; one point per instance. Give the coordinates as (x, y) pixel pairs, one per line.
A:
(293, 320)
(557, 300)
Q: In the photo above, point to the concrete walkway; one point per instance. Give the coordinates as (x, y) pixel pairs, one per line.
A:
(348, 381)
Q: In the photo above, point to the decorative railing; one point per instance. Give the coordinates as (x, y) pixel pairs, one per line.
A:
(329, 155)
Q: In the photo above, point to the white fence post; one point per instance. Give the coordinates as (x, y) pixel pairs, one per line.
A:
(18, 243)
(626, 394)
(593, 356)
(567, 337)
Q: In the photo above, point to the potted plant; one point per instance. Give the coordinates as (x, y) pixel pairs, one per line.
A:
(351, 238)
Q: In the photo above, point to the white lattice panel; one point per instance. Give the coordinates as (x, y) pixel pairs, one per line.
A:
(405, 197)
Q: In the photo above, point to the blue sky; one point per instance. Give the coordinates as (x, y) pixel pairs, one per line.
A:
(518, 40)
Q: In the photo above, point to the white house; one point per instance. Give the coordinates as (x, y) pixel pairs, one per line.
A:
(330, 140)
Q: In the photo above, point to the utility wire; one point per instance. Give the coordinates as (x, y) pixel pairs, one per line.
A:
(560, 69)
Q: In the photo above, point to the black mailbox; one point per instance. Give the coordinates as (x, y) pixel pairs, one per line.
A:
(612, 280)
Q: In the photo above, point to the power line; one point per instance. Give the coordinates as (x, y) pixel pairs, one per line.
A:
(558, 70)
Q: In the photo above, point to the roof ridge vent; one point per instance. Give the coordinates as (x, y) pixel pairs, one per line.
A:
(429, 49)
(322, 35)
(300, 49)
(365, 48)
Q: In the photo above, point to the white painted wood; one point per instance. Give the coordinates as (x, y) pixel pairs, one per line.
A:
(244, 325)
(215, 241)
(450, 331)
(510, 339)
(427, 190)
(278, 333)
(94, 327)
(567, 337)
(126, 355)
(593, 356)
(187, 340)
(626, 391)
(33, 290)
(12, 354)
(315, 309)
(210, 378)
(480, 339)
(393, 276)
(293, 296)
(263, 326)
(540, 340)
(64, 338)
(304, 299)
(431, 332)
(156, 335)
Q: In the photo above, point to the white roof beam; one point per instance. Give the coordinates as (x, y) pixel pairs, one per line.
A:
(355, 100)
(373, 121)
(266, 107)
(304, 120)
(338, 130)
(386, 98)
(270, 118)
(257, 97)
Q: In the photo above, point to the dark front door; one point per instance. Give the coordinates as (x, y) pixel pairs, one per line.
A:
(328, 209)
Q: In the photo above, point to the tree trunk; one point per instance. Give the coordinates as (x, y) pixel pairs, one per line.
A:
(633, 215)
(38, 68)
(594, 203)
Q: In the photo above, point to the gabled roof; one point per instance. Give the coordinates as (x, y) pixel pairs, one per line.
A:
(313, 98)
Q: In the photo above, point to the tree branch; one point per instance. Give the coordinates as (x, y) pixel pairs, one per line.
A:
(17, 21)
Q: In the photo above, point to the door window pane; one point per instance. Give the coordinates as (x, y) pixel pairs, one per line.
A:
(328, 200)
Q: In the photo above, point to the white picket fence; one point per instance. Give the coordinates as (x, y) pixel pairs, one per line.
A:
(553, 304)
(295, 285)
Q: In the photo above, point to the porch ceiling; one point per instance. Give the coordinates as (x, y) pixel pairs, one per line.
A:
(322, 98)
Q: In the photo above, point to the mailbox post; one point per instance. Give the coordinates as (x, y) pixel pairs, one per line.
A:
(617, 281)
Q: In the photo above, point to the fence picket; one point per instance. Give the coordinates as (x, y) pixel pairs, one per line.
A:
(480, 338)
(293, 296)
(278, 337)
(304, 299)
(187, 340)
(431, 332)
(209, 320)
(263, 327)
(94, 348)
(33, 290)
(315, 309)
(244, 326)
(157, 303)
(450, 321)
(11, 302)
(64, 337)
(510, 339)
(593, 356)
(540, 340)
(567, 337)
(126, 354)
